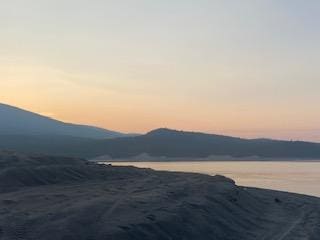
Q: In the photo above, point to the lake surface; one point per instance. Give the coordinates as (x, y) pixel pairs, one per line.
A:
(298, 177)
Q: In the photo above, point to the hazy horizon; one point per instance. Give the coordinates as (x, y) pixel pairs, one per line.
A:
(160, 127)
(247, 69)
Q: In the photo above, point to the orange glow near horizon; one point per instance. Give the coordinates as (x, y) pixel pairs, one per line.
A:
(140, 112)
(135, 120)
(248, 69)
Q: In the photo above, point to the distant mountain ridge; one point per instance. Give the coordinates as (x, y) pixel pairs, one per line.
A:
(16, 121)
(26, 132)
(179, 144)
(164, 145)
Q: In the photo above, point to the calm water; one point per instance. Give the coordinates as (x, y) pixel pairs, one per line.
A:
(299, 177)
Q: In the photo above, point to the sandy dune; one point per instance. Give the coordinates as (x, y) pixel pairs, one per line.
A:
(50, 199)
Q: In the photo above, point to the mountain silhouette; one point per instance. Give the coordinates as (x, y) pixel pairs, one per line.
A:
(16, 121)
(180, 144)
(28, 132)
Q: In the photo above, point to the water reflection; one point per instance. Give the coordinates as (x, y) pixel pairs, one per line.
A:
(299, 177)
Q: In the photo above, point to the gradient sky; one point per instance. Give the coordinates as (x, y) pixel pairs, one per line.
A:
(247, 68)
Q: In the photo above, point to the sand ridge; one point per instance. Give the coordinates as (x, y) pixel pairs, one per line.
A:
(106, 202)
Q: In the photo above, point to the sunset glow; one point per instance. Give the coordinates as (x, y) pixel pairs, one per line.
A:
(243, 68)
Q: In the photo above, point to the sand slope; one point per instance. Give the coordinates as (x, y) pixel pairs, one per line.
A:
(70, 199)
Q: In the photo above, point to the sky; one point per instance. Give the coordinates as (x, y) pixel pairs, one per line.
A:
(247, 68)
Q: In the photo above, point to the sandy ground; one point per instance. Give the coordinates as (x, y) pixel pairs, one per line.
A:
(51, 199)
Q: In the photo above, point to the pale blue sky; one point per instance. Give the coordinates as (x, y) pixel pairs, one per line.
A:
(246, 67)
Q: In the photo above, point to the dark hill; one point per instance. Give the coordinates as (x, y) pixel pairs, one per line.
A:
(28, 132)
(179, 144)
(16, 121)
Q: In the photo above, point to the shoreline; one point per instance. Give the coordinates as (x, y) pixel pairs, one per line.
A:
(200, 160)
(300, 177)
(94, 201)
